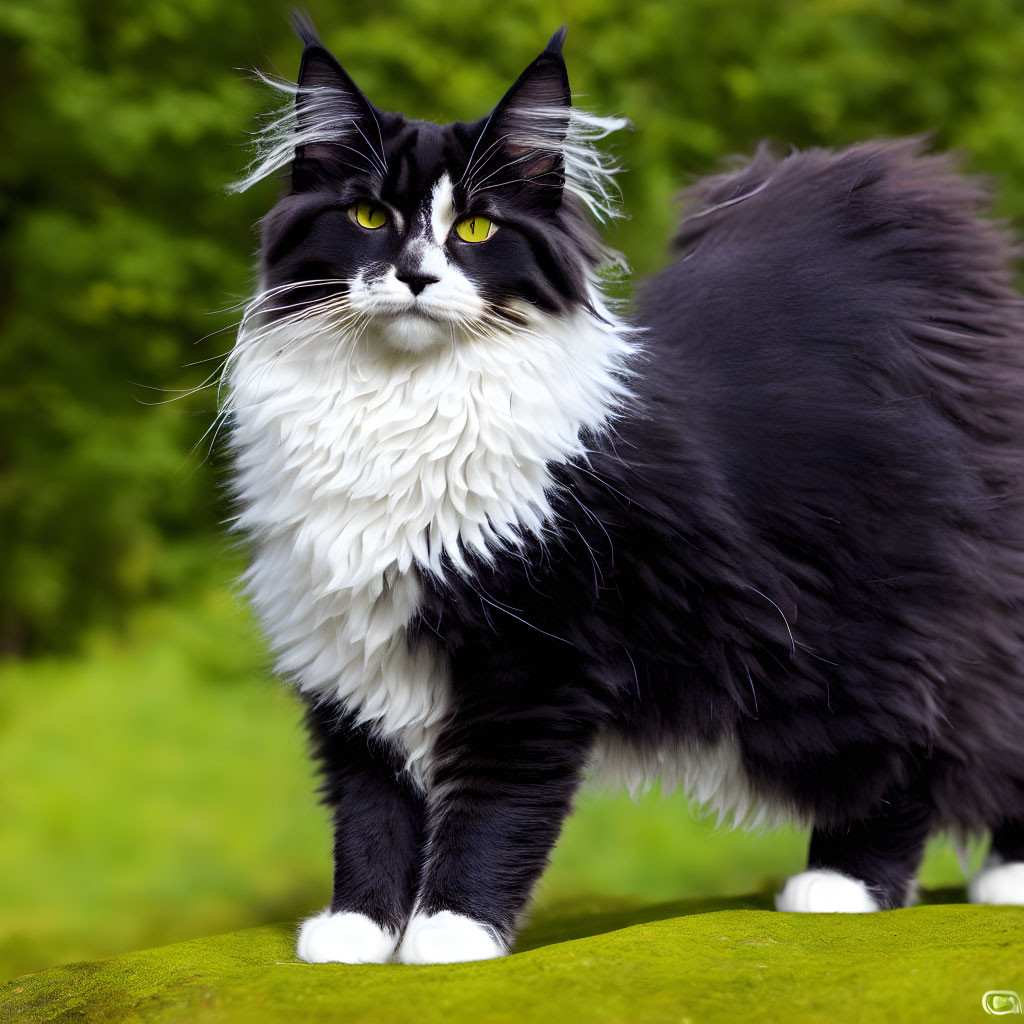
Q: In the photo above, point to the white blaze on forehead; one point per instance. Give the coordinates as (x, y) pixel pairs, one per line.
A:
(442, 209)
(427, 250)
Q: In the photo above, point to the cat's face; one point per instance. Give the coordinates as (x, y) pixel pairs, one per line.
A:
(418, 234)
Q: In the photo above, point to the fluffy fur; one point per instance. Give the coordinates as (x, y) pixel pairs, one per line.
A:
(765, 541)
(379, 465)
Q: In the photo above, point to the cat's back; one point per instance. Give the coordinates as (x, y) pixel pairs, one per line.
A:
(831, 263)
(841, 324)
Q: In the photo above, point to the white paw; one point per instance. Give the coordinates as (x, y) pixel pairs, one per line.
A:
(997, 882)
(825, 892)
(447, 938)
(343, 938)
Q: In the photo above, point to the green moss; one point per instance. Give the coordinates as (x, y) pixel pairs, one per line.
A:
(703, 962)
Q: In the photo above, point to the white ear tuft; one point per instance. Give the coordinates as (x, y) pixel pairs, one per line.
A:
(573, 133)
(314, 114)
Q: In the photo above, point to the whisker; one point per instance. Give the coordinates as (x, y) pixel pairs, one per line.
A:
(485, 158)
(472, 155)
(475, 184)
(516, 181)
(378, 160)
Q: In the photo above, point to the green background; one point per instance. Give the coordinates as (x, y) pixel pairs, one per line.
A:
(153, 784)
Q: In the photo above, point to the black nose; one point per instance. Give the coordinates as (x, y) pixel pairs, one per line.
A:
(417, 282)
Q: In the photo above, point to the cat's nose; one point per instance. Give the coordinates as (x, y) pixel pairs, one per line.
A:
(417, 282)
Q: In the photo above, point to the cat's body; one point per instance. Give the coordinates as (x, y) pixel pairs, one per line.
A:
(766, 542)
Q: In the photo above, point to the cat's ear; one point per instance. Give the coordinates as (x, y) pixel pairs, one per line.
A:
(331, 111)
(544, 85)
(522, 141)
(329, 129)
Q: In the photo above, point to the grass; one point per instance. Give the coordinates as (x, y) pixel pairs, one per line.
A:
(156, 788)
(683, 963)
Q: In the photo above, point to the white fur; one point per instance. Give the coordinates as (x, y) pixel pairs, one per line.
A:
(416, 323)
(356, 461)
(447, 938)
(329, 115)
(711, 775)
(825, 892)
(344, 938)
(572, 133)
(442, 210)
(998, 882)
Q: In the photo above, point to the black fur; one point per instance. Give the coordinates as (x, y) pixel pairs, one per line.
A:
(378, 817)
(806, 533)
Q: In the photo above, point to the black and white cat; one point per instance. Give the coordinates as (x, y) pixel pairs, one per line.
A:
(765, 540)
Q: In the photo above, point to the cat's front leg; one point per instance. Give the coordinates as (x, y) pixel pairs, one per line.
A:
(378, 816)
(506, 768)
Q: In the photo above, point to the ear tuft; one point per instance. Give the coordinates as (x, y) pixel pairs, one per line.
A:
(556, 41)
(319, 68)
(520, 145)
(302, 24)
(327, 102)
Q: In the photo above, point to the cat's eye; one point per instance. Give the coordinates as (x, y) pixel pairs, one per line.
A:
(475, 229)
(369, 215)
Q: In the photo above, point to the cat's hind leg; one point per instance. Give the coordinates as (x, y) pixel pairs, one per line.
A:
(1001, 878)
(378, 832)
(864, 866)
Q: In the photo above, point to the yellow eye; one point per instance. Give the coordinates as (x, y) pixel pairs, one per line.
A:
(367, 215)
(475, 229)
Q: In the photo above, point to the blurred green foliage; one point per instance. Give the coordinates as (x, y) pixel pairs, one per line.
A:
(122, 122)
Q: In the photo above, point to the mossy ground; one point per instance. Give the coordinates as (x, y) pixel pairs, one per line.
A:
(699, 962)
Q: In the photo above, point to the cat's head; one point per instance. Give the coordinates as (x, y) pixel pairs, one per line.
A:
(417, 234)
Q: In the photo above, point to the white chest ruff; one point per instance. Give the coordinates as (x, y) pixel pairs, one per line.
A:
(357, 465)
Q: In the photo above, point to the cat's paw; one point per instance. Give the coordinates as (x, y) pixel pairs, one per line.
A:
(998, 882)
(343, 938)
(825, 892)
(447, 938)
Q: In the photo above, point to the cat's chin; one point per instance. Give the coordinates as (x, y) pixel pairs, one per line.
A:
(414, 332)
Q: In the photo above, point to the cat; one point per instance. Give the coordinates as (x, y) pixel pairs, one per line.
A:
(763, 538)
